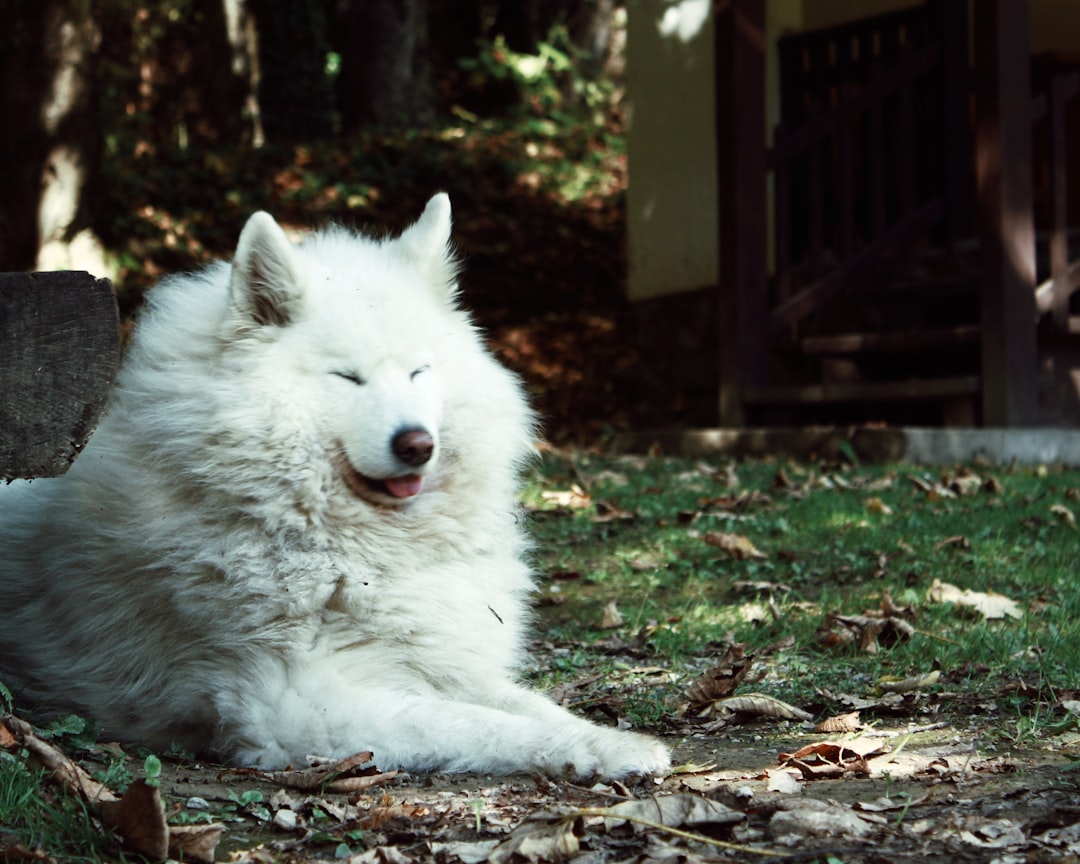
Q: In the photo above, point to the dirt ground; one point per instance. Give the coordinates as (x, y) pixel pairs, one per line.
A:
(931, 796)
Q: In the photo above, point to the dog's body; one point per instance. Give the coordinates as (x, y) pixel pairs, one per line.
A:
(295, 530)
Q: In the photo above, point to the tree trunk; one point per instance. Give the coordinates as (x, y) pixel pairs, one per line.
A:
(386, 79)
(66, 240)
(50, 141)
(295, 97)
(221, 70)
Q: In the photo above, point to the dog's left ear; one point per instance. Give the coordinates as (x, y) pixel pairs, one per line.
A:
(267, 279)
(427, 242)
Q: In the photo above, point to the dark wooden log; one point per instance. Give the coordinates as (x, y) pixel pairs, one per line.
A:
(59, 351)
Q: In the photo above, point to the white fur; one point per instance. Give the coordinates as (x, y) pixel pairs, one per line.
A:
(207, 573)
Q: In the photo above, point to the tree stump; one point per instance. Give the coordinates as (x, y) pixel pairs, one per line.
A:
(59, 351)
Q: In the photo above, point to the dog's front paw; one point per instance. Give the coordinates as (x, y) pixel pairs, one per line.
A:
(628, 754)
(605, 754)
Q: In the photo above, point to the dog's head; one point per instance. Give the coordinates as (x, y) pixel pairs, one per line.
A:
(362, 331)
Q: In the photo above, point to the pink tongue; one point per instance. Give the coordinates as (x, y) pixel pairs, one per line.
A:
(404, 487)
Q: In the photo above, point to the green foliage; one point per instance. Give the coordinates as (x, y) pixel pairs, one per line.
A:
(569, 115)
(152, 770)
(36, 819)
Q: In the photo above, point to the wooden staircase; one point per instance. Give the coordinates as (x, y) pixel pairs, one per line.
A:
(883, 302)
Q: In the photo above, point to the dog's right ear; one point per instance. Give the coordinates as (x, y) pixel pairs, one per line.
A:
(267, 277)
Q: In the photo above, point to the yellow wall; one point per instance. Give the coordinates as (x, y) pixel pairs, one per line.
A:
(672, 200)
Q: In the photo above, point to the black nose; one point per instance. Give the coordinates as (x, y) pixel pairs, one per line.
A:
(413, 446)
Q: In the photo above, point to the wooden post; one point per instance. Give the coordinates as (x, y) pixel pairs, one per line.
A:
(59, 350)
(1062, 88)
(740, 137)
(1003, 169)
(950, 21)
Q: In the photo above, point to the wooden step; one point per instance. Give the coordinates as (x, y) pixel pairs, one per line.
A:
(882, 391)
(911, 340)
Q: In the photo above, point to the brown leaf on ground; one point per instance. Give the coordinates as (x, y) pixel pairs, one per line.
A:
(15, 851)
(574, 498)
(736, 545)
(608, 512)
(840, 723)
(671, 811)
(797, 820)
(958, 541)
(832, 759)
(722, 679)
(759, 705)
(910, 684)
(869, 632)
(989, 604)
(744, 500)
(965, 483)
(1063, 514)
(878, 507)
(139, 820)
(541, 837)
(611, 617)
(890, 609)
(351, 774)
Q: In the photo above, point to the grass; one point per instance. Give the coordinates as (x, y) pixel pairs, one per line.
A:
(828, 539)
(817, 539)
(35, 817)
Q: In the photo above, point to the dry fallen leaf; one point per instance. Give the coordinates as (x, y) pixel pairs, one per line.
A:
(878, 507)
(574, 498)
(869, 632)
(139, 820)
(672, 811)
(909, 685)
(352, 774)
(611, 617)
(833, 759)
(736, 545)
(608, 512)
(541, 837)
(1063, 514)
(840, 723)
(797, 819)
(760, 705)
(966, 484)
(959, 541)
(722, 679)
(989, 604)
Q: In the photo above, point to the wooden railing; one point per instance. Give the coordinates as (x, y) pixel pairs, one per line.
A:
(1052, 296)
(836, 153)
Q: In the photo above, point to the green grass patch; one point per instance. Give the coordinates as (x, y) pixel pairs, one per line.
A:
(35, 817)
(648, 535)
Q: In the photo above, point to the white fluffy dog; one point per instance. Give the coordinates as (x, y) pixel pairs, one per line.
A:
(295, 530)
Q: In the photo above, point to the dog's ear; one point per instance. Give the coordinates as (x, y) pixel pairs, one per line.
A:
(427, 243)
(267, 279)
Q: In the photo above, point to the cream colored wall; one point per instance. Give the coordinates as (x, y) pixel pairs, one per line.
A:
(672, 196)
(672, 200)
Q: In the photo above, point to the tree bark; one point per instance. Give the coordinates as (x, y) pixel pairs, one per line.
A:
(386, 79)
(50, 143)
(295, 96)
